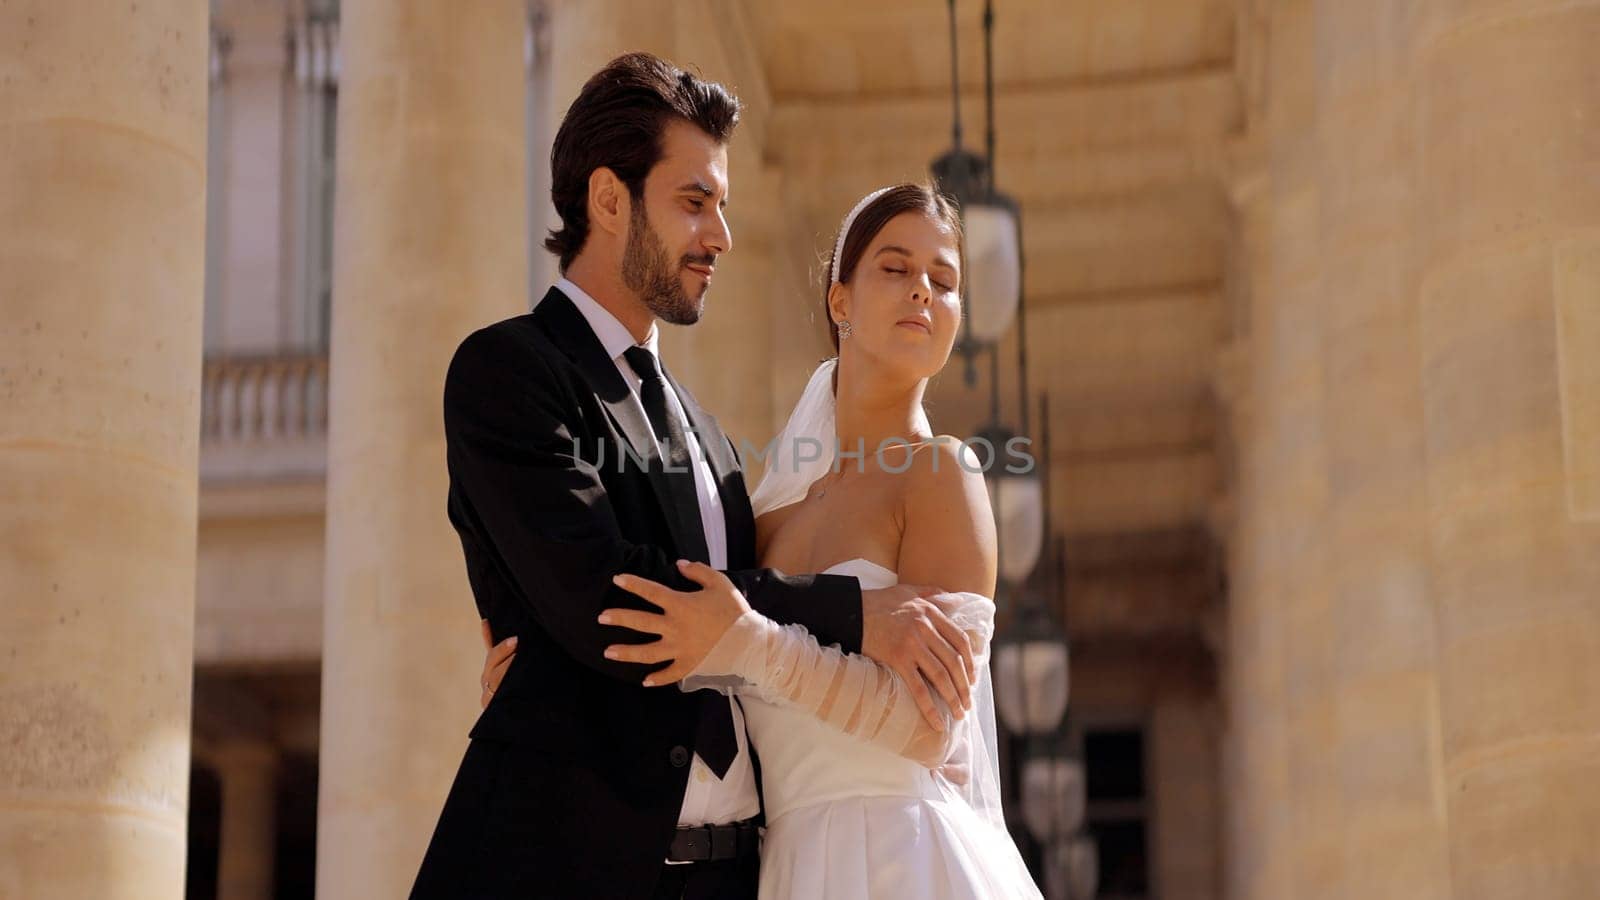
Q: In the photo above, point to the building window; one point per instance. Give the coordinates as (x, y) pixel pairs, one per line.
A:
(295, 866)
(541, 127)
(205, 833)
(1118, 811)
(216, 177)
(314, 47)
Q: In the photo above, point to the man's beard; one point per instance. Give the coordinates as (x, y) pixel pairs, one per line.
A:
(648, 272)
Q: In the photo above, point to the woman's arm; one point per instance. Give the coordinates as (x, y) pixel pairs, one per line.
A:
(948, 534)
(948, 538)
(784, 665)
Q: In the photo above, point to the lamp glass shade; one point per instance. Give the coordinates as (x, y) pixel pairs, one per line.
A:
(994, 269)
(1071, 868)
(1018, 503)
(1031, 684)
(1053, 796)
(1057, 873)
(1083, 867)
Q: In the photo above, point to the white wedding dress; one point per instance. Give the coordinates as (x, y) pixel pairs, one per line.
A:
(856, 807)
(860, 801)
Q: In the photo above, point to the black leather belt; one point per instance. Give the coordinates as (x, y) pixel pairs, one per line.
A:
(704, 843)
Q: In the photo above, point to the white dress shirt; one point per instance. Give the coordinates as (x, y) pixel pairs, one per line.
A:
(708, 800)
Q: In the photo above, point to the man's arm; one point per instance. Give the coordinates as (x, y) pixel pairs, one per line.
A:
(831, 615)
(828, 606)
(545, 513)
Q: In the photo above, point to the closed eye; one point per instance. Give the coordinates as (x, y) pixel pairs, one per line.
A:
(938, 284)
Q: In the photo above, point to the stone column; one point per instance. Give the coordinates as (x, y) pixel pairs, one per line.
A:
(1367, 662)
(1337, 694)
(1508, 198)
(248, 772)
(1251, 760)
(102, 237)
(430, 244)
(587, 34)
(1280, 488)
(1413, 567)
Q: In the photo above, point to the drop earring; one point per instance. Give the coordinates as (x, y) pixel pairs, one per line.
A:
(844, 329)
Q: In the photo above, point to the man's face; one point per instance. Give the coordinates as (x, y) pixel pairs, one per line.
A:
(677, 230)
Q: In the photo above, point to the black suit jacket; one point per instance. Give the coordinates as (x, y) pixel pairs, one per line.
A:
(574, 775)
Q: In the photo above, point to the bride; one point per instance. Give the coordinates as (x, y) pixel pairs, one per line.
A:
(859, 791)
(865, 797)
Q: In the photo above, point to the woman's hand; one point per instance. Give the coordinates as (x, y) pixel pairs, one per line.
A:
(690, 622)
(496, 660)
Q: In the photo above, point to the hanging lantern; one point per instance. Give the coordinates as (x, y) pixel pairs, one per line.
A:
(1030, 674)
(1053, 796)
(1058, 871)
(1016, 496)
(1019, 524)
(991, 284)
(1083, 867)
(993, 277)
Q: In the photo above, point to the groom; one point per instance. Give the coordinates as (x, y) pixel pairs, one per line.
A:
(574, 455)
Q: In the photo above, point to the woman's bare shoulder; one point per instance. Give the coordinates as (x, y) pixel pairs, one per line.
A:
(949, 535)
(945, 466)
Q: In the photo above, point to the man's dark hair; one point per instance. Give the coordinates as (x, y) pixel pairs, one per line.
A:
(616, 123)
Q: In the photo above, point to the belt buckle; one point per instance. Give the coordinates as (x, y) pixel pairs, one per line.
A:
(724, 841)
(696, 844)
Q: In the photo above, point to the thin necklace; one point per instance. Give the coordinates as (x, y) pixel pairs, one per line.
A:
(823, 491)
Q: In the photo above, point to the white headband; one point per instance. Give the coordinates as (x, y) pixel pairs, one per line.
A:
(844, 230)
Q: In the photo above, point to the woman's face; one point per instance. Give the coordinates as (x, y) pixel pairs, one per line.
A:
(903, 301)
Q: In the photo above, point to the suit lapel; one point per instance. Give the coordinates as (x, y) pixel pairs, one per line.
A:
(570, 331)
(707, 432)
(738, 522)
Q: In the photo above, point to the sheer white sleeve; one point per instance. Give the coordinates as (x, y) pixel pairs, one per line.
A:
(785, 665)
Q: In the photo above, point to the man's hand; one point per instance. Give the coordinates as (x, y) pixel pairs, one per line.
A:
(497, 658)
(905, 628)
(688, 627)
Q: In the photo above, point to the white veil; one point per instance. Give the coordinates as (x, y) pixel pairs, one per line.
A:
(804, 452)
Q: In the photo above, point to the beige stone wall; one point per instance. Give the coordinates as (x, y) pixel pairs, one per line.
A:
(1577, 284)
(1187, 805)
(1413, 689)
(258, 583)
(1514, 576)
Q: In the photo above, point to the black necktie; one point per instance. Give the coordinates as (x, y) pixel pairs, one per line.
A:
(715, 741)
(674, 451)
